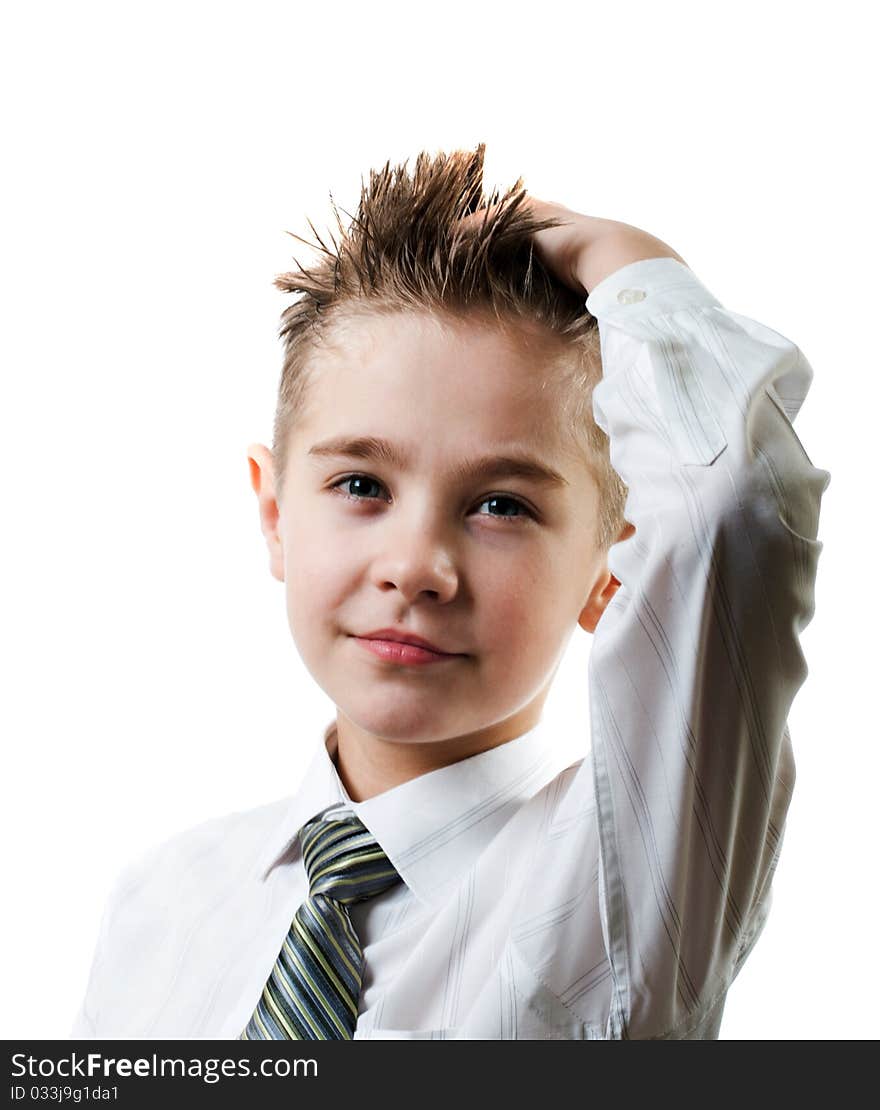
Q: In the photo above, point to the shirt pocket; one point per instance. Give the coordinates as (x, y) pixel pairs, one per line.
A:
(539, 1014)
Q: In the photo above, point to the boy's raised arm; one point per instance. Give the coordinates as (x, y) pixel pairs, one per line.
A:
(696, 660)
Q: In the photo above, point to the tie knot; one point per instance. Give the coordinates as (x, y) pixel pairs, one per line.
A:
(343, 859)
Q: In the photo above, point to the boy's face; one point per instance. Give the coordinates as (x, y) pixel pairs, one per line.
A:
(495, 569)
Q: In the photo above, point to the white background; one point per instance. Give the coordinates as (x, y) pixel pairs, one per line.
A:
(155, 154)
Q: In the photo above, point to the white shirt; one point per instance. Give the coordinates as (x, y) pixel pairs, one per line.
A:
(611, 897)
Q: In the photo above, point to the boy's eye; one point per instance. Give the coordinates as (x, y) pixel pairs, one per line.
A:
(360, 480)
(363, 483)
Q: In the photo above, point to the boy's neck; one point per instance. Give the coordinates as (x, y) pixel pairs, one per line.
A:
(368, 765)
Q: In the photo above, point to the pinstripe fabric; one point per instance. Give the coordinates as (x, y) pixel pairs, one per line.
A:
(560, 886)
(313, 990)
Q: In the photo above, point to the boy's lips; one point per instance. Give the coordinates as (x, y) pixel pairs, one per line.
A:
(403, 652)
(403, 636)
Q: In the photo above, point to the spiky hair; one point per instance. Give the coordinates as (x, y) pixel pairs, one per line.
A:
(404, 250)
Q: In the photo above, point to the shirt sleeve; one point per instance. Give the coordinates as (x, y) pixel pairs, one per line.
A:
(85, 1024)
(695, 662)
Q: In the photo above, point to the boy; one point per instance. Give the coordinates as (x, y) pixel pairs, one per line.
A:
(444, 870)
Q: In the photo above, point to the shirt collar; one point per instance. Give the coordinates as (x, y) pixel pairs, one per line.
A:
(433, 826)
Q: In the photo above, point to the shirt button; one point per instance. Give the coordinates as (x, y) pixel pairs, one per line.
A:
(630, 296)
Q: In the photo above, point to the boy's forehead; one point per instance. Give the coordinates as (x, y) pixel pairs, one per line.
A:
(426, 377)
(403, 435)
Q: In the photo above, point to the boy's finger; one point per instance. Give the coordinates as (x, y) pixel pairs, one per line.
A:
(475, 218)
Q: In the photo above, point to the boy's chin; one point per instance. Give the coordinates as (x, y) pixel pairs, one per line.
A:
(404, 724)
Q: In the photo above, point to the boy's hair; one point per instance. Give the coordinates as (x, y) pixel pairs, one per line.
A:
(404, 252)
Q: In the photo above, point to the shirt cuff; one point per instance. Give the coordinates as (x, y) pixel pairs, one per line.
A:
(649, 287)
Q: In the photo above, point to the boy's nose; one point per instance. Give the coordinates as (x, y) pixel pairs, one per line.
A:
(415, 567)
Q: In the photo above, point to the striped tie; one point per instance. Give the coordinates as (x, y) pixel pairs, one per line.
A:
(313, 991)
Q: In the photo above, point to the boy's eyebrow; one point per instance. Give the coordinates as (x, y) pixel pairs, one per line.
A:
(382, 450)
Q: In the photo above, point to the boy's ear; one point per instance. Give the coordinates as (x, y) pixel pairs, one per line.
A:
(262, 477)
(603, 591)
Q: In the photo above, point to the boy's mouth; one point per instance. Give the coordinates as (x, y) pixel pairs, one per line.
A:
(400, 646)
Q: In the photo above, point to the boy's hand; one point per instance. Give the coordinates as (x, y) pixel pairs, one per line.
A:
(582, 250)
